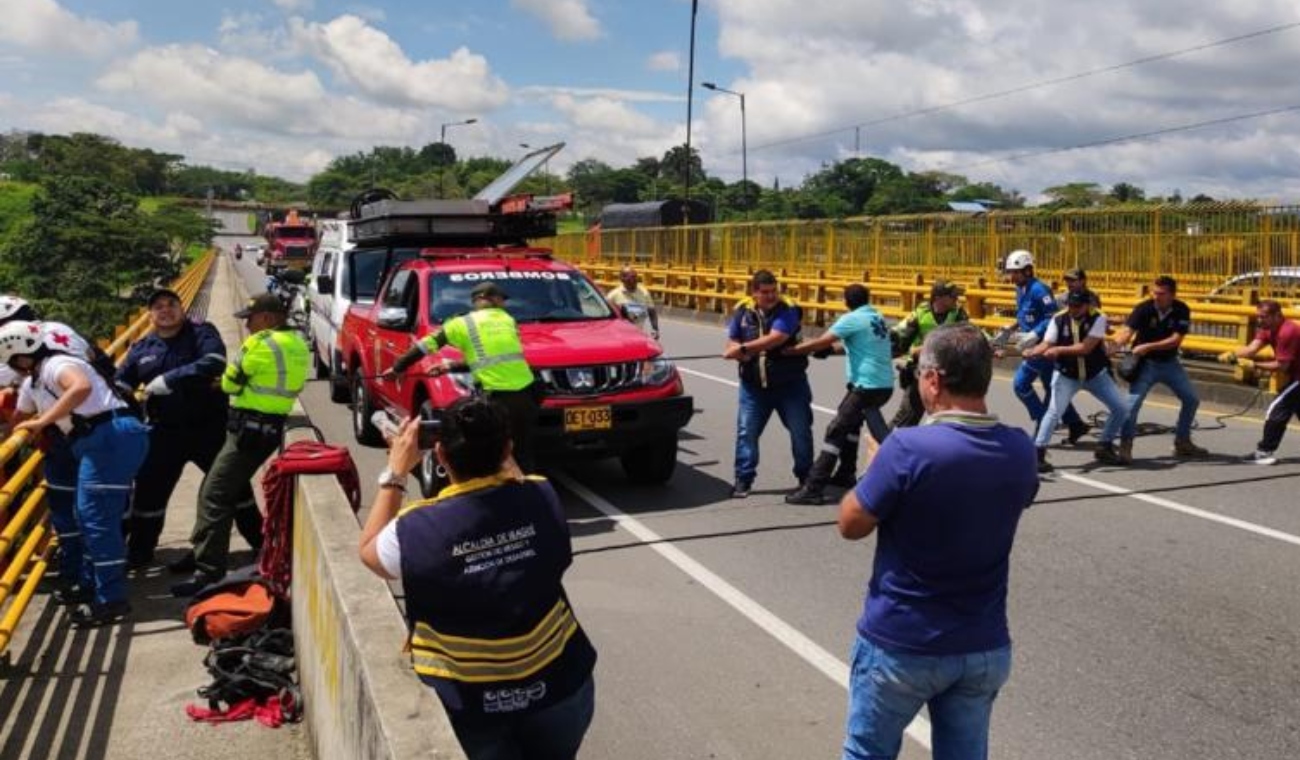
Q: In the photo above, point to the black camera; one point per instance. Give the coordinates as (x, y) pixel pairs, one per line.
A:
(430, 432)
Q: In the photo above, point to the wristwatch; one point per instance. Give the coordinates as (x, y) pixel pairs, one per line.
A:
(390, 479)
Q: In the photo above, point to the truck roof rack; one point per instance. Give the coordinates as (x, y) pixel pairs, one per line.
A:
(490, 218)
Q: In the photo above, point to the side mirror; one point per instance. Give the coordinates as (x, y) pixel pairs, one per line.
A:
(393, 318)
(325, 284)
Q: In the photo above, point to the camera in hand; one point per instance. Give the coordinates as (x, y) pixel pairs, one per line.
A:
(430, 430)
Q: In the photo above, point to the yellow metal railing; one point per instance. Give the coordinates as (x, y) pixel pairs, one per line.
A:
(25, 538)
(1202, 245)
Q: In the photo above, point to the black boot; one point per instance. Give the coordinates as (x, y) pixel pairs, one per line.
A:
(1044, 466)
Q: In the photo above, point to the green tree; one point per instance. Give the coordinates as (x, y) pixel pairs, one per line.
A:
(673, 166)
(1073, 195)
(1123, 192)
(87, 248)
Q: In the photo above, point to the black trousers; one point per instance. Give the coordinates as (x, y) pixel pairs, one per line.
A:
(520, 408)
(859, 406)
(1280, 412)
(910, 410)
(170, 449)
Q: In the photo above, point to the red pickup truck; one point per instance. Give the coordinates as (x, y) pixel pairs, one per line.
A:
(606, 388)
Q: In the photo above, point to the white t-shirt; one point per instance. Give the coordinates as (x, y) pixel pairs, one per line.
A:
(1098, 330)
(390, 551)
(42, 391)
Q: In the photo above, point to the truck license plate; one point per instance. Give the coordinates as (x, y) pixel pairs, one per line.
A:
(581, 418)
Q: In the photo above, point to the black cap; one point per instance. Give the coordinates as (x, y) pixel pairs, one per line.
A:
(1076, 274)
(1079, 298)
(945, 288)
(162, 293)
(488, 290)
(266, 303)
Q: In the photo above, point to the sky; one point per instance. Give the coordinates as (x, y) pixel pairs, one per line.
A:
(283, 86)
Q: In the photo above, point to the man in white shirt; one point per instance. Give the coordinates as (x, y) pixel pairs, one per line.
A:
(638, 301)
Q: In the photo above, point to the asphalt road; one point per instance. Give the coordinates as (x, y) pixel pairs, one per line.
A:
(1153, 608)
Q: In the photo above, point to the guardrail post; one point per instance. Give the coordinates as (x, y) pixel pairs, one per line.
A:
(819, 295)
(975, 303)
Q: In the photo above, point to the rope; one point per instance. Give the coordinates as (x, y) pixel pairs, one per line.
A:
(1098, 419)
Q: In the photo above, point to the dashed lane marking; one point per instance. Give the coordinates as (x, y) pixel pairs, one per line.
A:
(812, 653)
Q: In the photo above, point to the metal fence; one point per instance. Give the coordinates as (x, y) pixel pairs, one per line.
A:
(1207, 247)
(26, 541)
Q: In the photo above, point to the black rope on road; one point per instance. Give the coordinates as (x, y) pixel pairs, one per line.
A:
(1098, 419)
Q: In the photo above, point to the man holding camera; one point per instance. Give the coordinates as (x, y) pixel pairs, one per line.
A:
(483, 567)
(263, 381)
(488, 340)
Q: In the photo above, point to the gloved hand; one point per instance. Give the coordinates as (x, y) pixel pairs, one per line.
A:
(1228, 357)
(1026, 341)
(823, 353)
(157, 387)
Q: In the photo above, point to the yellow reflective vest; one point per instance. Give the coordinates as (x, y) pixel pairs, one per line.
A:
(268, 373)
(489, 340)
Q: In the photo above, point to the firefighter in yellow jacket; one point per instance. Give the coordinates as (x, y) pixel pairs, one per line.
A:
(263, 380)
(488, 339)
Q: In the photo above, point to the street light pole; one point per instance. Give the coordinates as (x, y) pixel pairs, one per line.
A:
(744, 147)
(442, 138)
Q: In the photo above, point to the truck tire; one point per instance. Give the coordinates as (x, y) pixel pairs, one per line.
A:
(652, 463)
(362, 409)
(340, 391)
(428, 473)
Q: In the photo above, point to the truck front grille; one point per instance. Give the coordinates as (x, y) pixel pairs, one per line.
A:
(590, 381)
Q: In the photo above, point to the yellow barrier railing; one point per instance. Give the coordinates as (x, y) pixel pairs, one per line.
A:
(28, 529)
(1203, 245)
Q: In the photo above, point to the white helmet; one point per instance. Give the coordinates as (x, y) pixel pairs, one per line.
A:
(20, 339)
(1018, 260)
(9, 306)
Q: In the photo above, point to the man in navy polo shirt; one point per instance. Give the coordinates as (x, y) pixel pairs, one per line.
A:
(947, 497)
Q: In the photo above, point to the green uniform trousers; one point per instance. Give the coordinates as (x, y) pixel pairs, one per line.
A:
(226, 496)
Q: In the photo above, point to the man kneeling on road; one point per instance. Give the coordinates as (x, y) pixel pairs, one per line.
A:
(947, 498)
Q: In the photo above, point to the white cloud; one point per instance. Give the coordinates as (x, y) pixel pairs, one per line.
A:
(604, 114)
(46, 26)
(569, 20)
(294, 6)
(631, 96)
(375, 65)
(245, 93)
(666, 60)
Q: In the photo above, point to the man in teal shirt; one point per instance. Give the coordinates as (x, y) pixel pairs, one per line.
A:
(869, 370)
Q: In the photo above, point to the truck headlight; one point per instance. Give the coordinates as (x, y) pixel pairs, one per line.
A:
(657, 371)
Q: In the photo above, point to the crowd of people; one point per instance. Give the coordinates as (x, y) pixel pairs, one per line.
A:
(117, 438)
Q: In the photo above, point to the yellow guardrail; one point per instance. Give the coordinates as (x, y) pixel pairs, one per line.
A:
(25, 538)
(1203, 245)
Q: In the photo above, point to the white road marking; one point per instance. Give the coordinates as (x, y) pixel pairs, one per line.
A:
(806, 648)
(1173, 506)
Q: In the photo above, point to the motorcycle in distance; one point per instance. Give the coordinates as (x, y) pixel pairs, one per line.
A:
(290, 286)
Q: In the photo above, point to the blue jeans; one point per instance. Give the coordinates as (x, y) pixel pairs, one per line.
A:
(61, 495)
(1103, 386)
(107, 460)
(555, 733)
(887, 690)
(1172, 374)
(1023, 384)
(792, 402)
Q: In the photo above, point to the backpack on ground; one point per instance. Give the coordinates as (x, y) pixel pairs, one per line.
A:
(236, 605)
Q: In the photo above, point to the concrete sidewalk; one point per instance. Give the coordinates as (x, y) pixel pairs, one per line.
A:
(120, 692)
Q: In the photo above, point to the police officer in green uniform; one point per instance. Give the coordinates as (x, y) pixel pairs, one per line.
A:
(263, 380)
(908, 335)
(488, 339)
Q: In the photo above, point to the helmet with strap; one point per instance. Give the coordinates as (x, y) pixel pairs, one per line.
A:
(10, 306)
(20, 339)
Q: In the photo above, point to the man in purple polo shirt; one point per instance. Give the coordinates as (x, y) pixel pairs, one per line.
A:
(947, 498)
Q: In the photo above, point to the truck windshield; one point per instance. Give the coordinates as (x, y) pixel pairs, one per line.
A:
(284, 231)
(533, 296)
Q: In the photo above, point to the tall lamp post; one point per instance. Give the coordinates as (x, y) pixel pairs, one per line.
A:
(442, 138)
(545, 164)
(744, 149)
